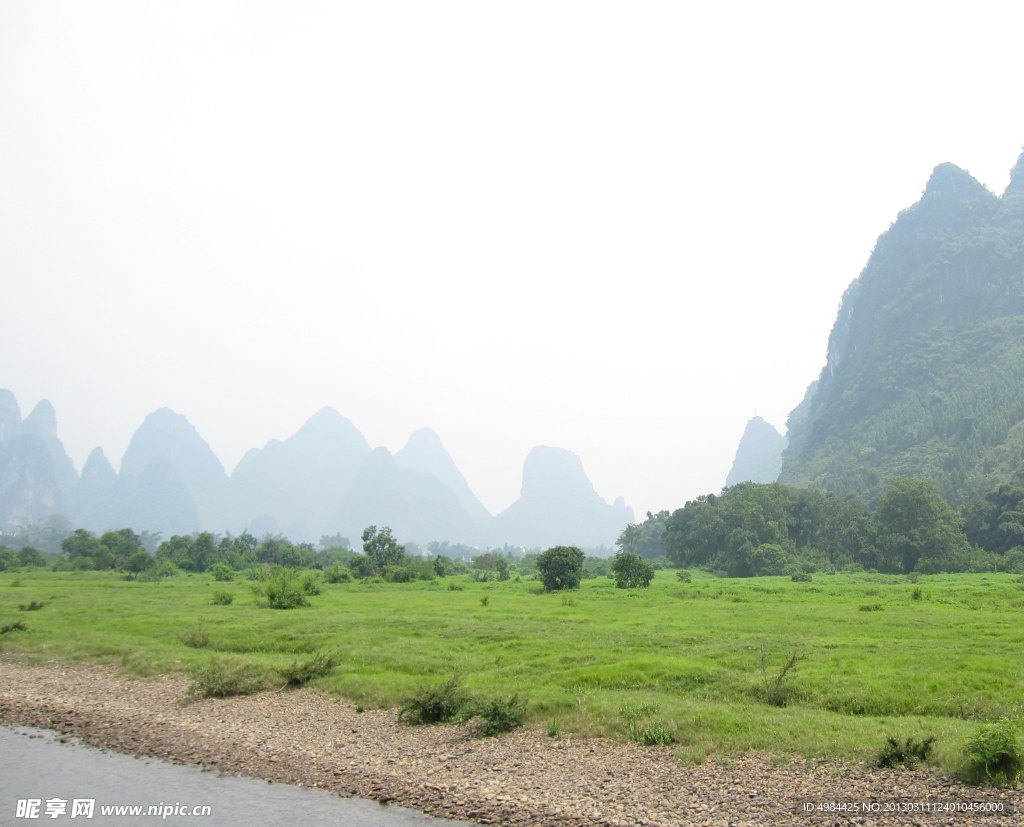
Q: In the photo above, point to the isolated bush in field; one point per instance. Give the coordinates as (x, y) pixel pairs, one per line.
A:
(776, 691)
(454, 587)
(485, 600)
(299, 674)
(994, 755)
(197, 637)
(279, 591)
(222, 573)
(907, 754)
(437, 704)
(83, 564)
(17, 626)
(502, 715)
(568, 601)
(223, 598)
(683, 576)
(337, 573)
(220, 678)
(34, 606)
(561, 567)
(871, 607)
(310, 583)
(631, 571)
(802, 577)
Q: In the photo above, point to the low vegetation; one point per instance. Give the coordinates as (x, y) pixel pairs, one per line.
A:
(720, 665)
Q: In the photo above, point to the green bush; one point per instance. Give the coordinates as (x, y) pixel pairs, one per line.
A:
(220, 679)
(34, 606)
(561, 567)
(908, 754)
(337, 573)
(485, 600)
(310, 583)
(802, 577)
(683, 576)
(994, 755)
(197, 637)
(454, 587)
(437, 704)
(223, 598)
(396, 574)
(17, 626)
(222, 573)
(502, 715)
(299, 674)
(279, 591)
(631, 571)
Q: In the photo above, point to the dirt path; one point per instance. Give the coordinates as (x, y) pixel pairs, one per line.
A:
(523, 778)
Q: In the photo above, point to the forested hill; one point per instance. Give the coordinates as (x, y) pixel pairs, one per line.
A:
(925, 369)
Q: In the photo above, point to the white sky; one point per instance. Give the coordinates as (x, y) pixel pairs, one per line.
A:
(617, 228)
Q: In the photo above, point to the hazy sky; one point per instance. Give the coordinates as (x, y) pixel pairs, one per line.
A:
(617, 228)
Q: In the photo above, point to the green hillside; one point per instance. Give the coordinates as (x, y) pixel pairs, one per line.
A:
(925, 371)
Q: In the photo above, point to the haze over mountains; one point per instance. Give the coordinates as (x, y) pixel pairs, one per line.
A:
(323, 480)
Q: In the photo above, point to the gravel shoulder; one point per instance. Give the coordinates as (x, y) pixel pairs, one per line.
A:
(524, 778)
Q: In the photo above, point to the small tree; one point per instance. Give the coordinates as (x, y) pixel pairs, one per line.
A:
(632, 571)
(382, 548)
(561, 567)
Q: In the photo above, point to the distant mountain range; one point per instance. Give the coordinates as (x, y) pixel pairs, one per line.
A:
(323, 480)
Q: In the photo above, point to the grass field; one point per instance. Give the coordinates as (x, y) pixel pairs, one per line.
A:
(879, 655)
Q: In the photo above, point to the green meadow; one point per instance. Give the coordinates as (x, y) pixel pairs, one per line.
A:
(877, 655)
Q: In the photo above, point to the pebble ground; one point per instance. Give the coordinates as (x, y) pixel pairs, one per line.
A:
(523, 778)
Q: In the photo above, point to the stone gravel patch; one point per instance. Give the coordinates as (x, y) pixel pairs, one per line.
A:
(523, 778)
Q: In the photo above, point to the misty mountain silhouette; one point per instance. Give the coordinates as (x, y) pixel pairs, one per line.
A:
(759, 455)
(322, 480)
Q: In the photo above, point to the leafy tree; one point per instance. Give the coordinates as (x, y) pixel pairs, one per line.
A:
(645, 539)
(81, 543)
(381, 547)
(631, 571)
(122, 543)
(137, 563)
(917, 528)
(561, 567)
(501, 566)
(29, 556)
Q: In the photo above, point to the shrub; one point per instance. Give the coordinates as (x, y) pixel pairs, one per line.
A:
(222, 573)
(684, 576)
(776, 690)
(561, 567)
(34, 606)
(299, 674)
(197, 637)
(502, 715)
(220, 679)
(83, 564)
(907, 754)
(802, 577)
(397, 574)
(916, 593)
(437, 704)
(279, 591)
(337, 573)
(223, 598)
(485, 600)
(454, 587)
(631, 571)
(871, 607)
(17, 626)
(994, 755)
(310, 583)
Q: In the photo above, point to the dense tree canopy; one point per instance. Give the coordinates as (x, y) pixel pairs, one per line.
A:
(561, 567)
